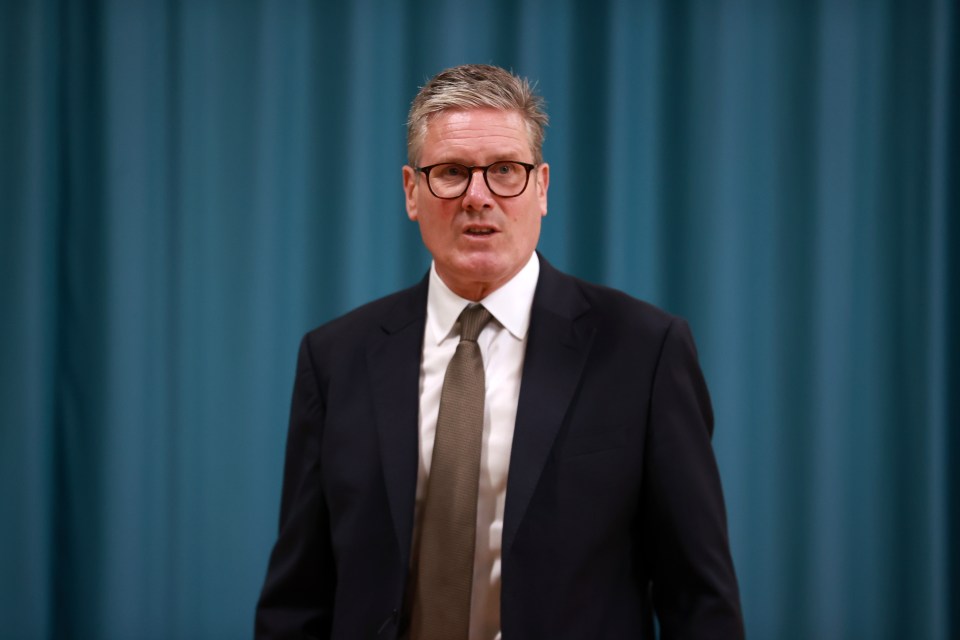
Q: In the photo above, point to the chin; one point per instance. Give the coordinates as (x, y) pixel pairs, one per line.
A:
(483, 268)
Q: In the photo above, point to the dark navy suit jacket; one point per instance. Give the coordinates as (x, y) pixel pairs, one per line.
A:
(614, 509)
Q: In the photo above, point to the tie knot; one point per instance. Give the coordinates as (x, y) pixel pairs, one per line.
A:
(472, 321)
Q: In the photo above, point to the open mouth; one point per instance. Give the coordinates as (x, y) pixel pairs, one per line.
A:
(479, 231)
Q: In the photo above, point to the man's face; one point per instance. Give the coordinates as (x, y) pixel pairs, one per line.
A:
(479, 240)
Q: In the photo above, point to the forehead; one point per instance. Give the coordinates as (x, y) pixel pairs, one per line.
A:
(475, 136)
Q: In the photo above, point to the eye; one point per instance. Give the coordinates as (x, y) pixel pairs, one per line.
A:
(452, 170)
(503, 168)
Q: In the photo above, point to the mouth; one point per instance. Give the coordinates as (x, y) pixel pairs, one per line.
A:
(479, 231)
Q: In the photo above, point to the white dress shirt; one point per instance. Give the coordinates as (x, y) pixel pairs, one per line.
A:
(502, 342)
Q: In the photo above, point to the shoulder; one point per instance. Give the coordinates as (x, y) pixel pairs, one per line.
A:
(605, 308)
(614, 303)
(373, 318)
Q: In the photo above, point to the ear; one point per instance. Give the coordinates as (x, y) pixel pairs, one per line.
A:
(543, 181)
(410, 185)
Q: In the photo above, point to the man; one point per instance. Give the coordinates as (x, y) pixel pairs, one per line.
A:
(568, 425)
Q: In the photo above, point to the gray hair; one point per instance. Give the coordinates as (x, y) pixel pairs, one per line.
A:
(472, 86)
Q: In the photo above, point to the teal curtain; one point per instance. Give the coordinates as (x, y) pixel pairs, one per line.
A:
(188, 186)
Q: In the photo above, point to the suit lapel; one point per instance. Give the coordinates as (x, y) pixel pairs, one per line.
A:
(393, 358)
(557, 349)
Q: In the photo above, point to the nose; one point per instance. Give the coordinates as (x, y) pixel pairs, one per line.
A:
(478, 196)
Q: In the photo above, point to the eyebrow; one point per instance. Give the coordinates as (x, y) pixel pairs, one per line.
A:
(467, 164)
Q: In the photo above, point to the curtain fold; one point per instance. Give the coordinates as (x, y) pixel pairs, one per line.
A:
(188, 187)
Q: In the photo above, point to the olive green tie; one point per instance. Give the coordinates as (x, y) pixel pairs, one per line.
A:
(444, 578)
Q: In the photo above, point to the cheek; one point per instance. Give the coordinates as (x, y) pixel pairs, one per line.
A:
(434, 221)
(529, 222)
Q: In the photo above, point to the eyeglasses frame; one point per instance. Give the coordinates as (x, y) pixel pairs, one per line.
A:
(526, 165)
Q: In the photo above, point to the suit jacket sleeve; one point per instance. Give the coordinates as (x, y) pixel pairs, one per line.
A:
(694, 586)
(297, 596)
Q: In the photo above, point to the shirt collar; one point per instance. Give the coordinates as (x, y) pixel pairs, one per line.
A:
(510, 304)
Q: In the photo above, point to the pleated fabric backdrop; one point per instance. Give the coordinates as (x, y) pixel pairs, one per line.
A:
(188, 186)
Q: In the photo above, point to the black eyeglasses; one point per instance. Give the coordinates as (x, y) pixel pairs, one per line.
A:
(449, 180)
